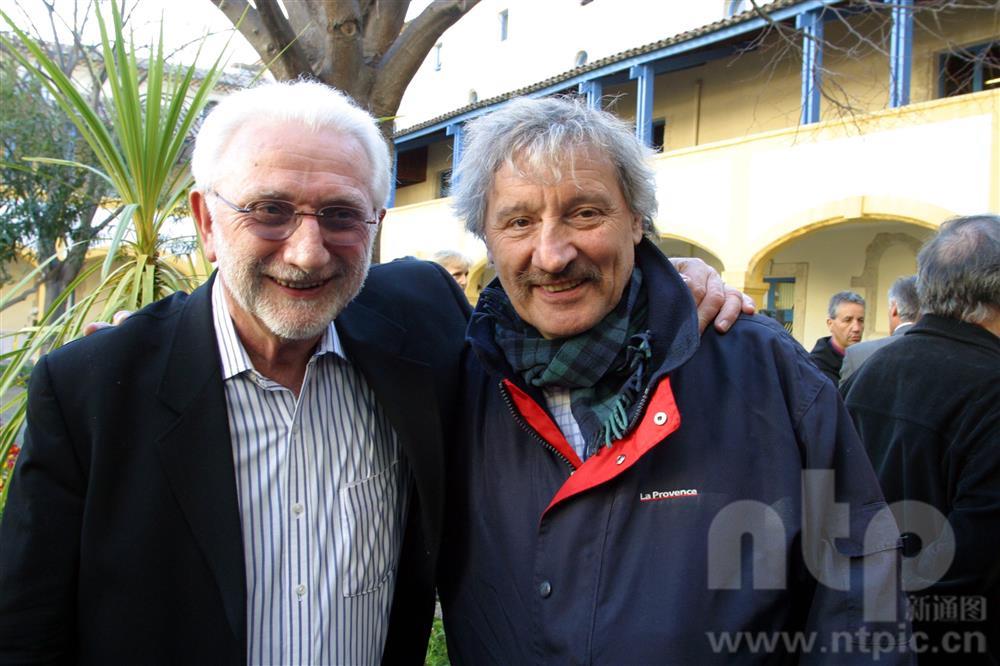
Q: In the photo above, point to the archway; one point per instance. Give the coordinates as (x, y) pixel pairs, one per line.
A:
(795, 275)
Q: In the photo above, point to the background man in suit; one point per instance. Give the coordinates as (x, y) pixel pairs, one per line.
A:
(845, 318)
(252, 473)
(928, 410)
(904, 310)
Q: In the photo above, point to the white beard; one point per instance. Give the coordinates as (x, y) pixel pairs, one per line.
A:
(289, 319)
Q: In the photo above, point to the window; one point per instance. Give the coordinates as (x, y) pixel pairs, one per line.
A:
(437, 57)
(781, 300)
(503, 25)
(444, 183)
(971, 69)
(659, 134)
(411, 166)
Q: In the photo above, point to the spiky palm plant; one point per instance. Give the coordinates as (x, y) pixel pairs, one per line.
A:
(140, 153)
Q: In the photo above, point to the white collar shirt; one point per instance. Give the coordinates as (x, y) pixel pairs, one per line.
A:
(322, 495)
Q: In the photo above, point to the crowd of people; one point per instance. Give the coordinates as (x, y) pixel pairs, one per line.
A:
(284, 465)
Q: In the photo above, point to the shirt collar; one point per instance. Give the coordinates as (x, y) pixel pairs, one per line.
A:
(233, 354)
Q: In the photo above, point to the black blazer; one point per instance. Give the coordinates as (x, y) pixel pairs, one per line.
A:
(121, 539)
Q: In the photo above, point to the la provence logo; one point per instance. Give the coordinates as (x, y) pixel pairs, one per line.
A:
(657, 495)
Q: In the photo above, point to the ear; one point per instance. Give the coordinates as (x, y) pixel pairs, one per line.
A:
(829, 323)
(203, 221)
(893, 310)
(636, 228)
(381, 215)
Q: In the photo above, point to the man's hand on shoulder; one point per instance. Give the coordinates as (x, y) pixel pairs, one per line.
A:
(95, 326)
(716, 302)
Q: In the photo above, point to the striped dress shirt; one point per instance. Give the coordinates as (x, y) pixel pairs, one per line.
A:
(322, 495)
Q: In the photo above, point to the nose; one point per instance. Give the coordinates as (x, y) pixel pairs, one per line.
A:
(305, 249)
(554, 247)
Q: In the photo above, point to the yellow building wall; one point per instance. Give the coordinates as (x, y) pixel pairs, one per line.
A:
(438, 160)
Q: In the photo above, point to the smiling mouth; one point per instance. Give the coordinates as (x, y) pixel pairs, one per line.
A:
(561, 286)
(300, 285)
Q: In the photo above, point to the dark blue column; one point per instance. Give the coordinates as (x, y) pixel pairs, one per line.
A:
(455, 132)
(811, 26)
(392, 183)
(592, 90)
(900, 53)
(643, 75)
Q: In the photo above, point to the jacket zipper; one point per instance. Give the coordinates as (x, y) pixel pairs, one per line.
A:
(531, 431)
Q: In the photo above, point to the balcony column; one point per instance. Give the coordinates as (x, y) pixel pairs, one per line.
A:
(643, 76)
(455, 131)
(592, 90)
(392, 183)
(900, 53)
(811, 26)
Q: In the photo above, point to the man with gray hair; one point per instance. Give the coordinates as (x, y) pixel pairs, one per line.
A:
(928, 410)
(845, 317)
(612, 460)
(904, 310)
(456, 264)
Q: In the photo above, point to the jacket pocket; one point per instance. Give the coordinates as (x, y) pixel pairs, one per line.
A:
(369, 524)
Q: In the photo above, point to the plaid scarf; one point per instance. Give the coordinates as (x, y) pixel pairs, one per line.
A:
(603, 368)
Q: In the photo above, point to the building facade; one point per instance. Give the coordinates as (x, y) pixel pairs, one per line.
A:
(804, 149)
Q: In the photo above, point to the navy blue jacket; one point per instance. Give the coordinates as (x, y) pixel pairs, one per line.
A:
(547, 560)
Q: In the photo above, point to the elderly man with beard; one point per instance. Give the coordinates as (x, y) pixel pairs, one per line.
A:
(613, 460)
(252, 473)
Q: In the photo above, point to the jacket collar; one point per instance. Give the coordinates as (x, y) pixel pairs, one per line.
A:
(196, 452)
(946, 327)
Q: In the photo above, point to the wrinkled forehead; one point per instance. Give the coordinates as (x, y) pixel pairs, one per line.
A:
(551, 162)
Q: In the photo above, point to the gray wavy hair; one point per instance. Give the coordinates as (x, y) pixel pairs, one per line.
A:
(541, 135)
(958, 270)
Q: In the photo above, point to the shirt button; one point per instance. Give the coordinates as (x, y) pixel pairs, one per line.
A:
(620, 459)
(300, 590)
(659, 418)
(297, 508)
(545, 589)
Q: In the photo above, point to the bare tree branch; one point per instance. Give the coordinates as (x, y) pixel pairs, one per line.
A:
(411, 47)
(383, 21)
(292, 56)
(266, 44)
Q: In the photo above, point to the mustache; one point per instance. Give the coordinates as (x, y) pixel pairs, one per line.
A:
(575, 271)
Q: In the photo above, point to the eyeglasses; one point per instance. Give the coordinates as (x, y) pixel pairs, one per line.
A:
(276, 220)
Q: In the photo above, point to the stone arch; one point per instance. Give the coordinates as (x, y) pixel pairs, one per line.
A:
(868, 279)
(674, 245)
(850, 209)
(866, 210)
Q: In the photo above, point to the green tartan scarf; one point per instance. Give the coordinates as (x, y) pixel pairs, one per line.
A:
(603, 368)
